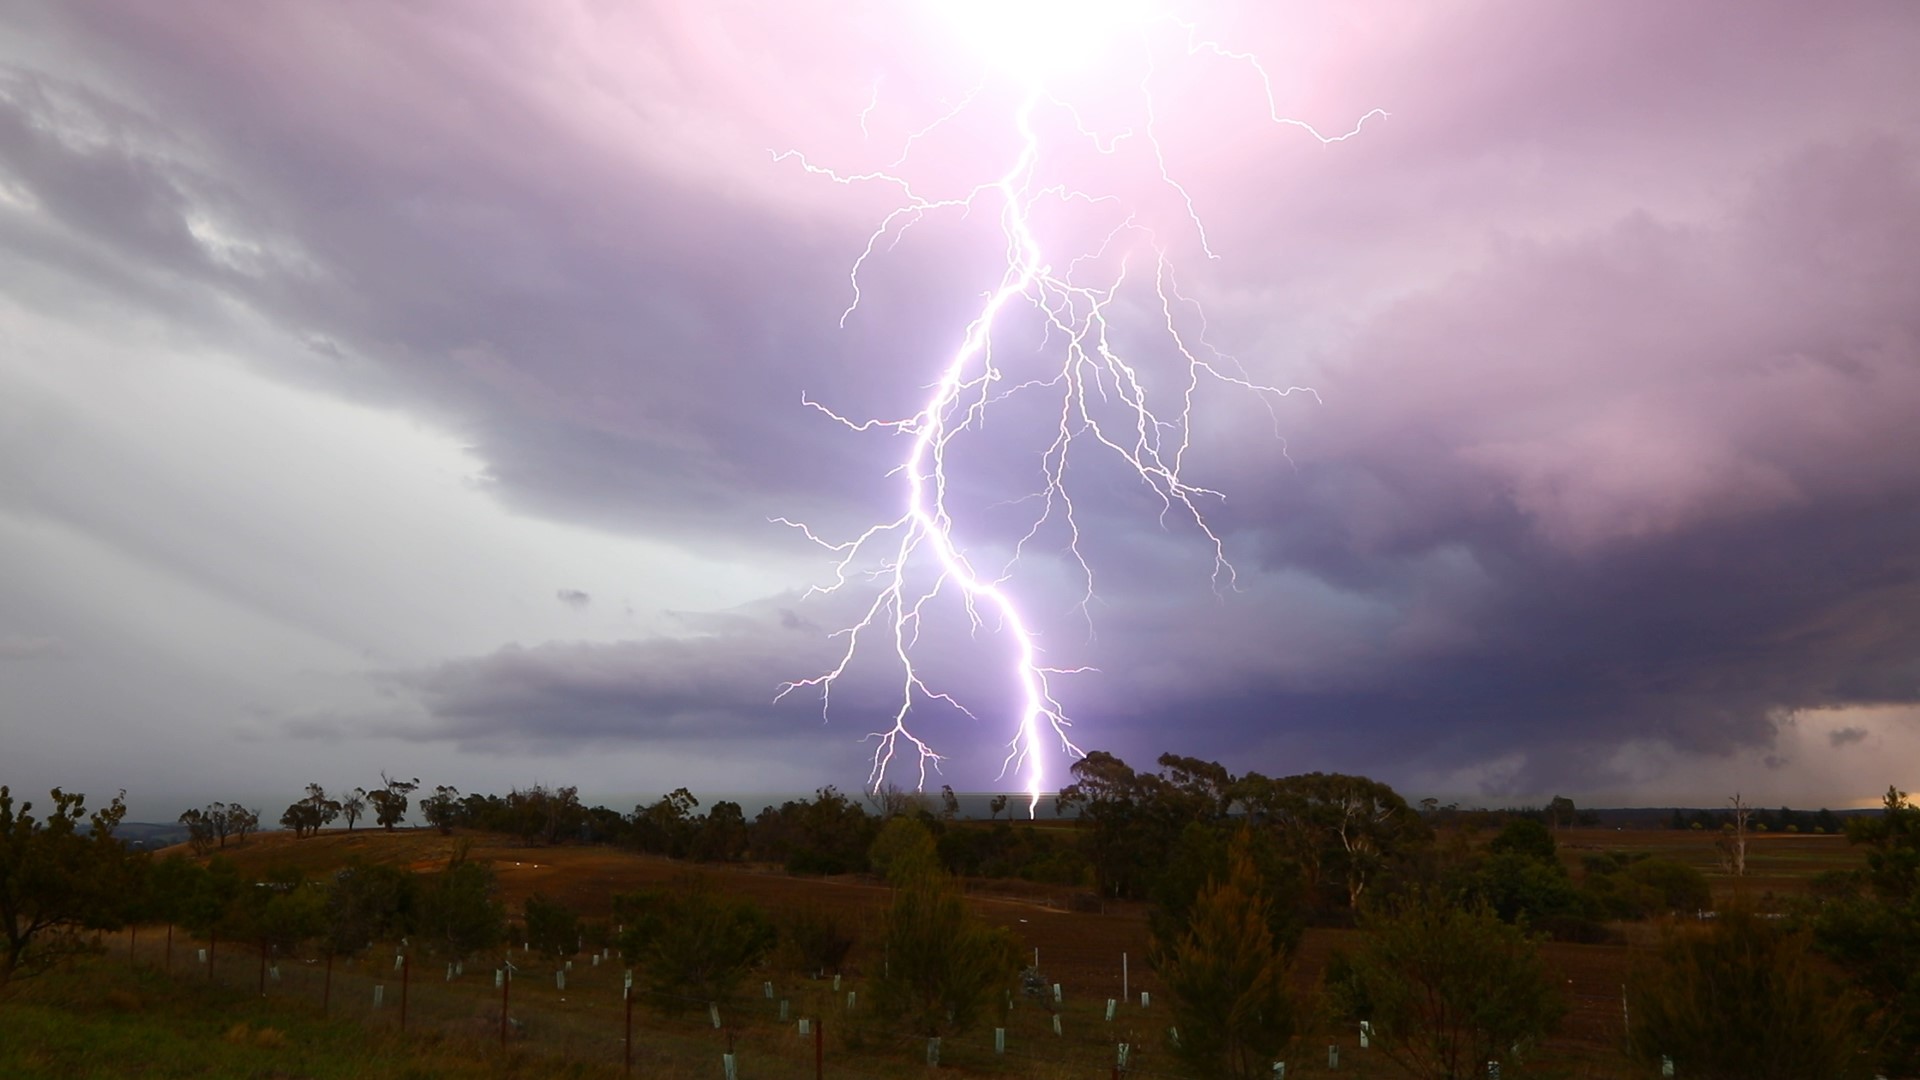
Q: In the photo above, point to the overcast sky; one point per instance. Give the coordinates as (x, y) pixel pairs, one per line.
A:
(415, 388)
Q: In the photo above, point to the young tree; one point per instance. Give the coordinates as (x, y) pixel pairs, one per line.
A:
(458, 914)
(998, 803)
(277, 914)
(904, 850)
(1449, 990)
(389, 801)
(1742, 1000)
(949, 803)
(368, 902)
(813, 940)
(58, 877)
(354, 806)
(552, 928)
(691, 944)
(1225, 972)
(945, 967)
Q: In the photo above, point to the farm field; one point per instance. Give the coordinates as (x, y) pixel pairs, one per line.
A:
(1081, 946)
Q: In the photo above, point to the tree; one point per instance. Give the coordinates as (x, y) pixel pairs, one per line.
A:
(1636, 886)
(1347, 832)
(312, 813)
(1733, 844)
(813, 940)
(1449, 990)
(354, 806)
(1124, 835)
(368, 902)
(828, 834)
(722, 836)
(389, 800)
(995, 805)
(58, 877)
(1528, 838)
(458, 912)
(1561, 813)
(1870, 926)
(945, 967)
(892, 800)
(552, 928)
(277, 914)
(903, 850)
(442, 808)
(210, 827)
(242, 822)
(668, 826)
(691, 945)
(1742, 1000)
(199, 830)
(1226, 973)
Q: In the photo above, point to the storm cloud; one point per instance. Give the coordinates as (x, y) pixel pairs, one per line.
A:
(342, 334)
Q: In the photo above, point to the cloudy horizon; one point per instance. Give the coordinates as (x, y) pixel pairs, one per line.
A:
(420, 389)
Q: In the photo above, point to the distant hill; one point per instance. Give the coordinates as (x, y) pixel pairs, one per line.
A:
(151, 836)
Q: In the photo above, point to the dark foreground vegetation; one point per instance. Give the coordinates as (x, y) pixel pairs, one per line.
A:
(1438, 920)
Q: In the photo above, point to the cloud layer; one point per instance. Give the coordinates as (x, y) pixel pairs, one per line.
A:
(1613, 469)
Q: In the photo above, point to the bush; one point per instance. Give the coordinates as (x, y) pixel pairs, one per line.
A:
(690, 944)
(944, 966)
(1742, 1000)
(1450, 990)
(1226, 973)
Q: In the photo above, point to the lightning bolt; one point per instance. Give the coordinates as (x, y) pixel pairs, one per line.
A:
(915, 564)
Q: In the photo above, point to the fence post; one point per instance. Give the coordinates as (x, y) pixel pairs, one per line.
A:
(819, 1049)
(629, 998)
(213, 943)
(406, 966)
(326, 988)
(263, 969)
(506, 992)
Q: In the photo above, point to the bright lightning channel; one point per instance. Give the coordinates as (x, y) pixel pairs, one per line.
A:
(1093, 376)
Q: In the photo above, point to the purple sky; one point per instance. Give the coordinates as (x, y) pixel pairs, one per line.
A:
(411, 387)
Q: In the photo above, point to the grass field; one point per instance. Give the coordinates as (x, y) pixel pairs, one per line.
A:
(119, 1015)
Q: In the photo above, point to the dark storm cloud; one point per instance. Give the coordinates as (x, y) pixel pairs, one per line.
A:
(1613, 322)
(1701, 516)
(573, 598)
(714, 686)
(1845, 736)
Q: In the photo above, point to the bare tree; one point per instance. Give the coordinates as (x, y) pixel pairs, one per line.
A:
(891, 800)
(1733, 845)
(354, 806)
